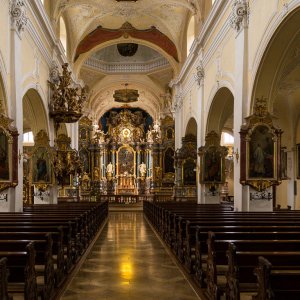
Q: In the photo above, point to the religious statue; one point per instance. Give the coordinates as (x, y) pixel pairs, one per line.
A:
(85, 185)
(142, 169)
(96, 174)
(109, 169)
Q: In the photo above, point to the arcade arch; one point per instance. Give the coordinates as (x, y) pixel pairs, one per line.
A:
(277, 80)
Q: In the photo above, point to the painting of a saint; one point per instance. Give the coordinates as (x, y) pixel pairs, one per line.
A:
(4, 157)
(261, 153)
(189, 172)
(41, 167)
(283, 163)
(212, 166)
(169, 161)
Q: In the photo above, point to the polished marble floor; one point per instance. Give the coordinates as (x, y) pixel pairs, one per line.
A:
(128, 262)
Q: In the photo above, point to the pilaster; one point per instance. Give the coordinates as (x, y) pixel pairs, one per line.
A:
(17, 11)
(239, 22)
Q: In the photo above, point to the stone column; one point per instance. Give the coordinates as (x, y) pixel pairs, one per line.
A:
(239, 22)
(17, 11)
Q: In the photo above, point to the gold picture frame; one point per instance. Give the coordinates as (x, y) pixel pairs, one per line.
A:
(260, 149)
(41, 162)
(8, 153)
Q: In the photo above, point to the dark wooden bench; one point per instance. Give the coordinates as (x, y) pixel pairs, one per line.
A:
(217, 258)
(21, 270)
(240, 277)
(276, 284)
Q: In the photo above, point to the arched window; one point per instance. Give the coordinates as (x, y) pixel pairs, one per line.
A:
(63, 33)
(227, 139)
(190, 34)
(28, 139)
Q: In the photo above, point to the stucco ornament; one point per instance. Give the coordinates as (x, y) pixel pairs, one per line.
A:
(17, 10)
(54, 72)
(199, 76)
(240, 14)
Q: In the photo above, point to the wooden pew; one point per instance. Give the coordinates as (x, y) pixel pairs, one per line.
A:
(217, 257)
(22, 277)
(3, 279)
(274, 284)
(43, 261)
(241, 264)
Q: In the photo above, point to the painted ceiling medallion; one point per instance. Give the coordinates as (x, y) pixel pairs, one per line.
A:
(126, 95)
(127, 49)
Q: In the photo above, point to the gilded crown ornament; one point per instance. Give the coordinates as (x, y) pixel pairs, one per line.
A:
(66, 100)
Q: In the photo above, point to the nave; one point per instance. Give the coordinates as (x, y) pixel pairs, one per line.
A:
(128, 261)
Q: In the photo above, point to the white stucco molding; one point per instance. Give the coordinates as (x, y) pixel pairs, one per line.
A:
(208, 29)
(239, 17)
(18, 15)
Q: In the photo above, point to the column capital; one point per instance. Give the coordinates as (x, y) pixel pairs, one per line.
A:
(17, 11)
(239, 17)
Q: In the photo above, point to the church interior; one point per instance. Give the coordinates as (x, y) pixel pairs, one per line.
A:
(149, 149)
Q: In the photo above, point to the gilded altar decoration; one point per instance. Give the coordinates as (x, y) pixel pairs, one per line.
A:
(67, 100)
(41, 162)
(67, 161)
(126, 127)
(260, 149)
(8, 153)
(212, 160)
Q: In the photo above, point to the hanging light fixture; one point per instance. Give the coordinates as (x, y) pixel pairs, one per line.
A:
(126, 95)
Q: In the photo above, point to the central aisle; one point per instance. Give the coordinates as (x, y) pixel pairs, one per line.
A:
(128, 262)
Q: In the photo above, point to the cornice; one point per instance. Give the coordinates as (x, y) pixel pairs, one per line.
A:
(111, 68)
(218, 10)
(41, 18)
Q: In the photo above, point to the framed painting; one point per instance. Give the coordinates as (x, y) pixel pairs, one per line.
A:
(8, 153)
(261, 153)
(212, 160)
(189, 172)
(41, 167)
(5, 157)
(283, 163)
(212, 166)
(298, 161)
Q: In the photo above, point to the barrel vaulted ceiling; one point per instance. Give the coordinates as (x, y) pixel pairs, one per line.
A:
(95, 27)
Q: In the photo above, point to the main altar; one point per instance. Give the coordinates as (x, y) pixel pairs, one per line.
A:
(127, 153)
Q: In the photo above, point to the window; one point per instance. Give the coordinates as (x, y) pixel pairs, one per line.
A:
(28, 139)
(190, 34)
(63, 33)
(227, 139)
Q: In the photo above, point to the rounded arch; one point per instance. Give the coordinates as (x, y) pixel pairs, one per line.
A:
(83, 57)
(191, 127)
(220, 111)
(34, 113)
(269, 59)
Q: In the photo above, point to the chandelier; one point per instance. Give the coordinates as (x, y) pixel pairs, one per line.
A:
(67, 161)
(126, 95)
(66, 100)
